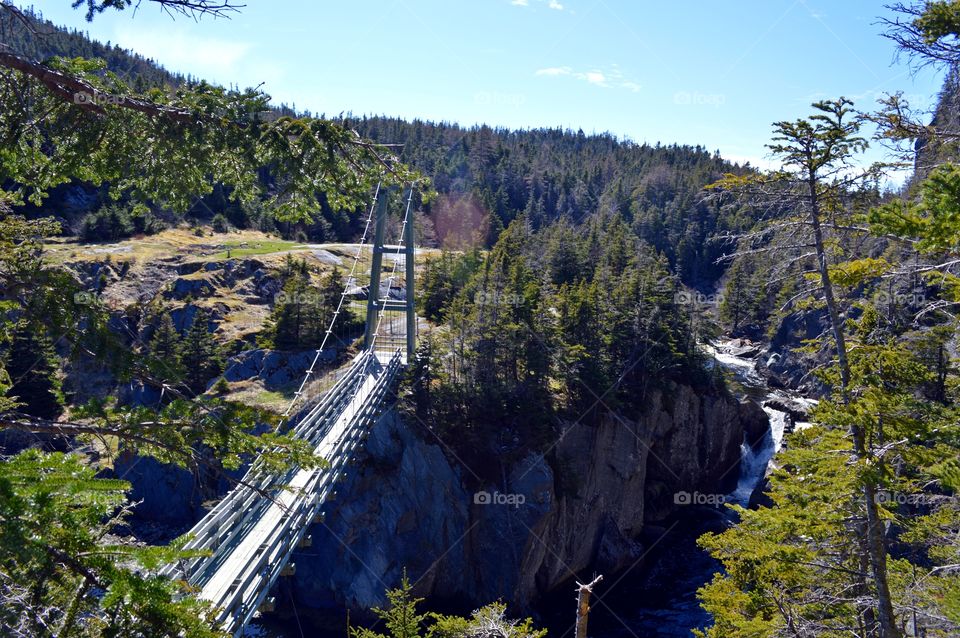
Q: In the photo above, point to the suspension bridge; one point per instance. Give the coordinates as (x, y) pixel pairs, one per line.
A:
(250, 535)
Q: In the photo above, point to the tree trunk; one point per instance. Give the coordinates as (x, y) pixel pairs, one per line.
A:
(583, 605)
(871, 534)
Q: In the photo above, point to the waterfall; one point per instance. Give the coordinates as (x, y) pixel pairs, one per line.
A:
(754, 459)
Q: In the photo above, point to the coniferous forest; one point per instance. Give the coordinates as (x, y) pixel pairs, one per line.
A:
(172, 253)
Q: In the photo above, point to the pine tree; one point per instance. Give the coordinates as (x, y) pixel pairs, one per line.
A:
(60, 579)
(403, 620)
(302, 313)
(200, 354)
(400, 617)
(165, 346)
(32, 366)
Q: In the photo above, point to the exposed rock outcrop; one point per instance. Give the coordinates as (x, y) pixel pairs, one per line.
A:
(796, 410)
(583, 504)
(275, 368)
(755, 421)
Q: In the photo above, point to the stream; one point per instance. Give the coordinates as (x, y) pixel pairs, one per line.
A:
(659, 601)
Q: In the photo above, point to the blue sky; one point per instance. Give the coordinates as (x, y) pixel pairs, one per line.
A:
(708, 72)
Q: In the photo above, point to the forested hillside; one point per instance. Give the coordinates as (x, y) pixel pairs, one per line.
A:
(46, 40)
(485, 178)
(553, 174)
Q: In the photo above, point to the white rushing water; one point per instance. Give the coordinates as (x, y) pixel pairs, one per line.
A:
(754, 460)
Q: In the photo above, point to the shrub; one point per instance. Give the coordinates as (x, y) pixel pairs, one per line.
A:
(220, 224)
(118, 221)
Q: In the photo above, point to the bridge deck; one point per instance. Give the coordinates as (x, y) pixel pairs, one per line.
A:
(265, 526)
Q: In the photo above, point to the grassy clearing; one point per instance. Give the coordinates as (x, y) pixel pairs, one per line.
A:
(170, 243)
(252, 393)
(239, 248)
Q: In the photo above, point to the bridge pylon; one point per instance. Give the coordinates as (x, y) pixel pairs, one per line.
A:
(379, 305)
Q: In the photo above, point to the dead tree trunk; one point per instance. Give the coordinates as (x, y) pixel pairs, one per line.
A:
(583, 605)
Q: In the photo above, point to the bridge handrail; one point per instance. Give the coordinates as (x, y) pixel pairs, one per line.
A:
(244, 516)
(207, 530)
(283, 538)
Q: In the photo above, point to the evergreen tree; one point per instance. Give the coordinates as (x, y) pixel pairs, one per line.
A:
(199, 354)
(165, 348)
(400, 617)
(743, 307)
(403, 620)
(61, 579)
(290, 320)
(32, 366)
(836, 554)
(302, 313)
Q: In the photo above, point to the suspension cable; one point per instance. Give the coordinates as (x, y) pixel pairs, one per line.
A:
(343, 295)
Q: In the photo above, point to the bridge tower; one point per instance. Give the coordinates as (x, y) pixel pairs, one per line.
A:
(377, 303)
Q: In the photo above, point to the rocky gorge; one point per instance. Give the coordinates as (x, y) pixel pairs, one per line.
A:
(598, 498)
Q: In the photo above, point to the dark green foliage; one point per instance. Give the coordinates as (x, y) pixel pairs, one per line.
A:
(302, 312)
(525, 353)
(61, 577)
(165, 350)
(33, 367)
(110, 223)
(443, 279)
(199, 354)
(219, 223)
(494, 175)
(221, 387)
(402, 619)
(745, 305)
(50, 41)
(117, 221)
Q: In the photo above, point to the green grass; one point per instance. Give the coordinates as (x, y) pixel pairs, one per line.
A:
(249, 248)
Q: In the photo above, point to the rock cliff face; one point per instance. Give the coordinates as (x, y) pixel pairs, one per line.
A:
(585, 504)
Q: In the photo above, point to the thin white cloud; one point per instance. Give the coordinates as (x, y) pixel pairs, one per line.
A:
(210, 58)
(556, 5)
(610, 78)
(555, 71)
(595, 77)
